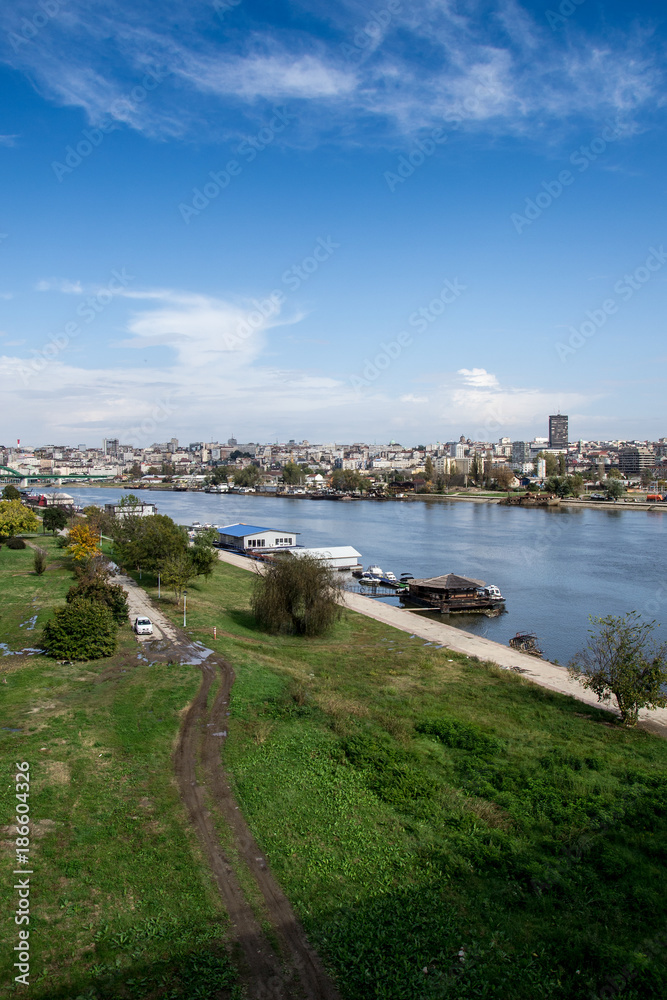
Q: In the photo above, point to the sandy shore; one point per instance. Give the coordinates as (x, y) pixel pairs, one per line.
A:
(547, 675)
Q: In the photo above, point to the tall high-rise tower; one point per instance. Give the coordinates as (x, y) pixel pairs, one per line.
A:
(558, 432)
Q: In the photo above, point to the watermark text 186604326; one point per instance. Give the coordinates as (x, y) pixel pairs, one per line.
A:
(22, 885)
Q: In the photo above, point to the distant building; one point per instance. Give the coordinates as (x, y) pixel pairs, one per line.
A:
(130, 510)
(558, 431)
(520, 453)
(111, 446)
(633, 459)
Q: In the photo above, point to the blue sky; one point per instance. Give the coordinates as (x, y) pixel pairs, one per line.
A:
(350, 222)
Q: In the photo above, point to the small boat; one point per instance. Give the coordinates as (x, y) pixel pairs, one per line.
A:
(526, 642)
(370, 580)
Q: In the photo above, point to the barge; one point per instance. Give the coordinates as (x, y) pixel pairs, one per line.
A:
(451, 593)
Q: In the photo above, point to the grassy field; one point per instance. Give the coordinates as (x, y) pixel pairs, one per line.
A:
(444, 829)
(121, 903)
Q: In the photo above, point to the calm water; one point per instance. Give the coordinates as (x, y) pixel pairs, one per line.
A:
(554, 567)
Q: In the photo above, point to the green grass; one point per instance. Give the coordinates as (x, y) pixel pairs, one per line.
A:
(424, 811)
(122, 903)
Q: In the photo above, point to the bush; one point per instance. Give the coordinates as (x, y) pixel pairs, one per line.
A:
(298, 596)
(111, 595)
(40, 561)
(15, 543)
(82, 630)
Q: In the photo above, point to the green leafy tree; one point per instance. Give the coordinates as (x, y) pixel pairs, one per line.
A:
(298, 596)
(219, 475)
(429, 471)
(112, 595)
(135, 471)
(203, 554)
(622, 661)
(562, 467)
(82, 630)
(153, 471)
(293, 474)
(146, 542)
(614, 488)
(550, 463)
(250, 476)
(54, 519)
(576, 484)
(10, 493)
(15, 519)
(349, 480)
(613, 472)
(177, 571)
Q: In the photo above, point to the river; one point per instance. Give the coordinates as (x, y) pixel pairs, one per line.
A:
(554, 566)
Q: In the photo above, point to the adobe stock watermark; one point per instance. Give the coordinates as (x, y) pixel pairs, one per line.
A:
(425, 148)
(371, 32)
(31, 26)
(94, 137)
(87, 311)
(625, 288)
(419, 321)
(582, 157)
(565, 10)
(293, 278)
(221, 179)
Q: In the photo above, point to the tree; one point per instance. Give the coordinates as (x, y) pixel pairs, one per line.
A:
(16, 519)
(202, 553)
(82, 542)
(297, 595)
(111, 595)
(219, 475)
(614, 473)
(562, 468)
(146, 542)
(349, 480)
(153, 471)
(177, 571)
(82, 630)
(135, 471)
(10, 493)
(621, 659)
(54, 519)
(250, 476)
(39, 562)
(576, 484)
(504, 477)
(428, 469)
(292, 474)
(614, 488)
(550, 463)
(476, 469)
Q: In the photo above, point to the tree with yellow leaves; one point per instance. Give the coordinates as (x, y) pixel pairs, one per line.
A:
(15, 519)
(82, 542)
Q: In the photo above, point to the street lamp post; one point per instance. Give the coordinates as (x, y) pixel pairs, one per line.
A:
(185, 606)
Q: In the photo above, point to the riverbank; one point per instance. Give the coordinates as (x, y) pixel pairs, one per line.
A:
(493, 499)
(548, 675)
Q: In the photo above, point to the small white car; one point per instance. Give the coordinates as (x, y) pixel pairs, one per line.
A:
(143, 626)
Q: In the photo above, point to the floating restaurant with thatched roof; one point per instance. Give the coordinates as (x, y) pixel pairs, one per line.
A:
(452, 592)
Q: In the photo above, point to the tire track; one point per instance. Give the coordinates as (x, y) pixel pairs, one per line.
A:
(296, 974)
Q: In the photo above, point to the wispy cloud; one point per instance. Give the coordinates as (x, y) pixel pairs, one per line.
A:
(63, 285)
(504, 72)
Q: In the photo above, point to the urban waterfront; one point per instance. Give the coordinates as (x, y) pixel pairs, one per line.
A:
(554, 566)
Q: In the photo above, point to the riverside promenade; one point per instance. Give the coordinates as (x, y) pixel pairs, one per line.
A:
(547, 675)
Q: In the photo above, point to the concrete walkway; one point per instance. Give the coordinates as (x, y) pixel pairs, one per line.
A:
(547, 675)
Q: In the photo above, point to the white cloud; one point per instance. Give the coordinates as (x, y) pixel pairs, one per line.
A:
(62, 285)
(477, 377)
(411, 398)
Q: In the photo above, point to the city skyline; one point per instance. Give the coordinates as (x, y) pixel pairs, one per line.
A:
(358, 223)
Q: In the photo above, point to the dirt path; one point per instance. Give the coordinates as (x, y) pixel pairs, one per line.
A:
(295, 971)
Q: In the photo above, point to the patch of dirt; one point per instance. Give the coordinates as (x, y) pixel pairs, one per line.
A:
(297, 972)
(56, 772)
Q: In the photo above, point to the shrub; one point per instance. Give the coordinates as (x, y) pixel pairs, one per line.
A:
(40, 561)
(15, 543)
(297, 596)
(111, 595)
(82, 630)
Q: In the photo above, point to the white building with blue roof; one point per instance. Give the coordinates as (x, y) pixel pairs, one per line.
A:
(252, 538)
